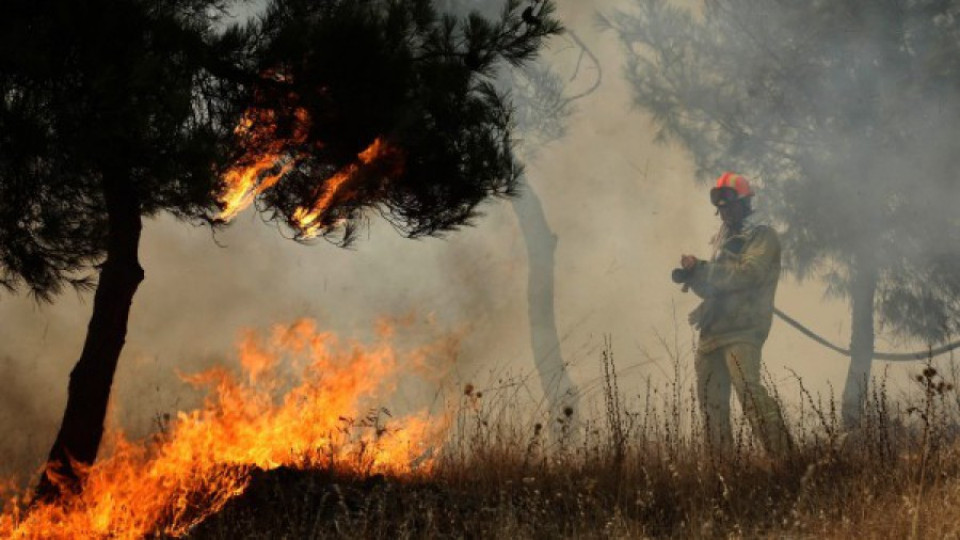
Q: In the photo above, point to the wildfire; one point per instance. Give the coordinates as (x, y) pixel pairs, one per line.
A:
(269, 157)
(377, 154)
(204, 459)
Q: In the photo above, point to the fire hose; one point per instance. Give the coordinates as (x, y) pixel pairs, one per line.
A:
(680, 276)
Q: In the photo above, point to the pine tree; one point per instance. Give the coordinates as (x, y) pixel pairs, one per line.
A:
(115, 111)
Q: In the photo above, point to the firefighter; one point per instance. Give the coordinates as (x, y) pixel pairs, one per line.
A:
(737, 286)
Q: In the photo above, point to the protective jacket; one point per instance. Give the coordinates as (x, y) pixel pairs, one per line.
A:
(738, 287)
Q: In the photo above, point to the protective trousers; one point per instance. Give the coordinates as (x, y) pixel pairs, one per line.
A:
(738, 365)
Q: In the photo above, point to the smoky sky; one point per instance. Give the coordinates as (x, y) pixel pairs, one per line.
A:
(622, 206)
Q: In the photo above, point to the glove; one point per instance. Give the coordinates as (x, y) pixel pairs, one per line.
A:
(680, 275)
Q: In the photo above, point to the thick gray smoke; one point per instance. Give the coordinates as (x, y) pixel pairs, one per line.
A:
(846, 113)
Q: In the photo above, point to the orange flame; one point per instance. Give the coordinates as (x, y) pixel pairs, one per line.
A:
(173, 482)
(378, 153)
(256, 171)
(270, 157)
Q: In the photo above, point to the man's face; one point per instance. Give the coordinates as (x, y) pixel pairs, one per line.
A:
(732, 214)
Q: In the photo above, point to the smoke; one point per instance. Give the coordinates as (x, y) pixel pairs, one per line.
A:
(844, 112)
(622, 206)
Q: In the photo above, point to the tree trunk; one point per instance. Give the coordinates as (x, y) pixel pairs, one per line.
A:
(89, 391)
(862, 290)
(559, 391)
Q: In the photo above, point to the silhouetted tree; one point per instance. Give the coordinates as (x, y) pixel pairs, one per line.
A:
(113, 111)
(543, 103)
(344, 74)
(99, 127)
(847, 112)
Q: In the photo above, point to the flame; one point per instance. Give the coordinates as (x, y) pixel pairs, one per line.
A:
(257, 170)
(269, 157)
(378, 154)
(168, 484)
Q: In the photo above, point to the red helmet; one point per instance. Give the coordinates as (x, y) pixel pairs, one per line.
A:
(730, 187)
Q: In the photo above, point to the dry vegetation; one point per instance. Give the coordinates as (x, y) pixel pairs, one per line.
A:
(640, 470)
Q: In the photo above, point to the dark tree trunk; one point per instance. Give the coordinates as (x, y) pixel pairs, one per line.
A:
(862, 290)
(90, 381)
(561, 394)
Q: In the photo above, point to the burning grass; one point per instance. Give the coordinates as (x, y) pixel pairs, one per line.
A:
(898, 478)
(634, 468)
(255, 421)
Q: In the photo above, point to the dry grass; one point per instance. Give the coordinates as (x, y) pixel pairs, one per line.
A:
(641, 470)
